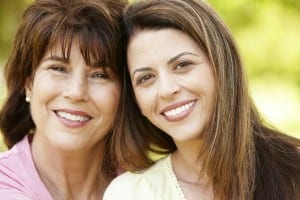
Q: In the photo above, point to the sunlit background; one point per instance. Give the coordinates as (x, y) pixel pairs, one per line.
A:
(268, 35)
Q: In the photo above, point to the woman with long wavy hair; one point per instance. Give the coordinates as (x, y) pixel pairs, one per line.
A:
(185, 95)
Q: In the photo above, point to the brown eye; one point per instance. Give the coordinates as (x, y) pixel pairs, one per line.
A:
(182, 65)
(58, 69)
(145, 78)
(99, 75)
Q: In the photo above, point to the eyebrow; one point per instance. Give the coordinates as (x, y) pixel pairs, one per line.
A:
(141, 70)
(55, 58)
(58, 58)
(169, 62)
(179, 55)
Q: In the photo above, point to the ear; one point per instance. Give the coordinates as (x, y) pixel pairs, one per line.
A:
(28, 87)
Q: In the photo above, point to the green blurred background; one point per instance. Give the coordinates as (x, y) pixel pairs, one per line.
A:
(268, 36)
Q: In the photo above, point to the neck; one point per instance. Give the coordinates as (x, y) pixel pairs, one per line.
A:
(70, 175)
(187, 161)
(187, 166)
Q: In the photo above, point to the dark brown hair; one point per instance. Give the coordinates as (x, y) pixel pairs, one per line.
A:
(45, 23)
(243, 156)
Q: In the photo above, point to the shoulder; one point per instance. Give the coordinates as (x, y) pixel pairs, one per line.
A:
(13, 194)
(13, 173)
(11, 167)
(12, 160)
(128, 186)
(19, 178)
(9, 161)
(144, 185)
(10, 181)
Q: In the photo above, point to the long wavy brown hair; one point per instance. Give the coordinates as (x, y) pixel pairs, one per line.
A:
(243, 156)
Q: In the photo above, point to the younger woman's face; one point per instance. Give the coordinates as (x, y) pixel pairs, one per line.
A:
(173, 82)
(73, 105)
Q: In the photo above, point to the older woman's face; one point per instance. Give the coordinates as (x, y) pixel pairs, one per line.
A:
(173, 82)
(72, 105)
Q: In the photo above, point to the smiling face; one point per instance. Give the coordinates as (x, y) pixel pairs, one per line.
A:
(72, 105)
(173, 82)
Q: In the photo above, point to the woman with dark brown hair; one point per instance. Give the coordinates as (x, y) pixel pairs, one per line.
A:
(185, 95)
(63, 91)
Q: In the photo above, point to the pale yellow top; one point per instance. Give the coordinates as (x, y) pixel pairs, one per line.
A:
(155, 183)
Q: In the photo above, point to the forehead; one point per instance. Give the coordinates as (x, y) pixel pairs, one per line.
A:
(167, 38)
(151, 45)
(62, 48)
(65, 49)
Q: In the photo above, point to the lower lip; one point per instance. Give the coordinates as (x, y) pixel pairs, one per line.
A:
(71, 124)
(180, 116)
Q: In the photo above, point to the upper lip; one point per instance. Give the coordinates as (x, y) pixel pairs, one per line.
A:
(74, 112)
(175, 105)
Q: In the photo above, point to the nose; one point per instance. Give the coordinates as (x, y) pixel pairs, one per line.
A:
(168, 86)
(76, 89)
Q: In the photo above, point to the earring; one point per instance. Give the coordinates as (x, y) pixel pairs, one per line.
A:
(27, 99)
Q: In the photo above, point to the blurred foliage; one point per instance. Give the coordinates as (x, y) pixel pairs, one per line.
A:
(268, 36)
(10, 14)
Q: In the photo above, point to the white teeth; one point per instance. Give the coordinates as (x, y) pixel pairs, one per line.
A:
(72, 117)
(179, 110)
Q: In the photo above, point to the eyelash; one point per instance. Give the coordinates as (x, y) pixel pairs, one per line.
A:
(183, 64)
(58, 69)
(144, 78)
(179, 67)
(99, 75)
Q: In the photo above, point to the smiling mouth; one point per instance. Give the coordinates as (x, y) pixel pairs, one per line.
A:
(72, 117)
(179, 110)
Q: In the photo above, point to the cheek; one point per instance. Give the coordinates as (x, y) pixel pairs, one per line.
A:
(45, 86)
(210, 87)
(106, 98)
(42, 91)
(145, 100)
